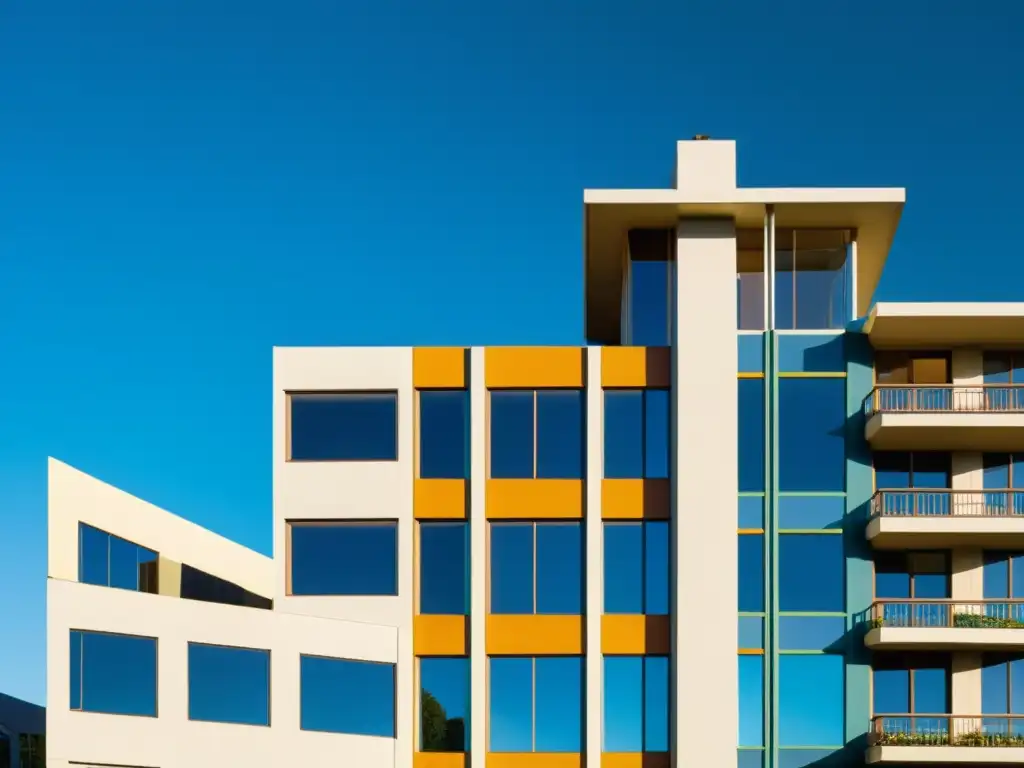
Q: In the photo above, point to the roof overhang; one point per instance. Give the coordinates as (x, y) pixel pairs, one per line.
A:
(609, 214)
(903, 325)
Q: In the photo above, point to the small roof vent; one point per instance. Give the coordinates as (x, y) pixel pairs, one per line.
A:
(701, 137)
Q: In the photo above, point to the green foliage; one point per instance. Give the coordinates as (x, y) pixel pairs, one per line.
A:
(438, 732)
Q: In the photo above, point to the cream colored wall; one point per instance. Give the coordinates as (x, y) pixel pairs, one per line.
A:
(704, 517)
(478, 556)
(594, 534)
(75, 496)
(172, 740)
(351, 490)
(707, 169)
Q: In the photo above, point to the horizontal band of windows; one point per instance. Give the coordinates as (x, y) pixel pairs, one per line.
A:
(200, 585)
(444, 705)
(537, 433)
(228, 684)
(444, 434)
(535, 704)
(113, 674)
(536, 568)
(107, 560)
(343, 426)
(342, 557)
(346, 696)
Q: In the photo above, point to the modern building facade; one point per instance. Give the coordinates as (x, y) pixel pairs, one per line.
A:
(756, 521)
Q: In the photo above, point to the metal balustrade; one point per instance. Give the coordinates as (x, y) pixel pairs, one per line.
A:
(927, 730)
(945, 398)
(928, 502)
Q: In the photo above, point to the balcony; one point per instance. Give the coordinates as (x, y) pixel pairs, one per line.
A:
(946, 625)
(946, 739)
(925, 518)
(944, 417)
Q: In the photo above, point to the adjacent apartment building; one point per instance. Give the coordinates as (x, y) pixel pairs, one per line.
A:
(757, 521)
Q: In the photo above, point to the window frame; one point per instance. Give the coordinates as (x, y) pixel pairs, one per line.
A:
(578, 524)
(340, 523)
(535, 392)
(912, 662)
(81, 671)
(993, 556)
(581, 659)
(1014, 359)
(288, 423)
(910, 463)
(394, 694)
(188, 682)
(644, 424)
(908, 560)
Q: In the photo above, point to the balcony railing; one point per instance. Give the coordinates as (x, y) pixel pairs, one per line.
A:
(947, 731)
(927, 502)
(945, 398)
(979, 614)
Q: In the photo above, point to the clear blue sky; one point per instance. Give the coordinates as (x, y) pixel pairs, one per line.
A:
(185, 184)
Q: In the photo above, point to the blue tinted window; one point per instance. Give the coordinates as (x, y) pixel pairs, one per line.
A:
(813, 283)
(811, 572)
(228, 685)
(650, 303)
(444, 568)
(811, 633)
(344, 426)
(657, 429)
(811, 512)
(444, 704)
(817, 353)
(750, 758)
(891, 691)
(751, 701)
(536, 704)
(1002, 685)
(560, 433)
(811, 700)
(636, 433)
(512, 439)
(444, 433)
(559, 568)
(113, 674)
(344, 558)
(550, 552)
(636, 568)
(812, 428)
(922, 685)
(1003, 575)
(751, 632)
(109, 561)
(512, 569)
(636, 703)
(1003, 470)
(751, 512)
(751, 573)
(345, 696)
(912, 575)
(510, 700)
(751, 435)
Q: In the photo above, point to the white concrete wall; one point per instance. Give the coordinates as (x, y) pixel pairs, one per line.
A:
(172, 740)
(358, 490)
(478, 556)
(704, 515)
(594, 536)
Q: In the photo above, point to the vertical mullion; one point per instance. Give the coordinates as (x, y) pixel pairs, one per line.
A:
(533, 704)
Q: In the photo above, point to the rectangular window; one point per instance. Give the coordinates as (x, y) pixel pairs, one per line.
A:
(1002, 692)
(811, 572)
(751, 632)
(651, 287)
(110, 561)
(752, 449)
(919, 469)
(536, 704)
(812, 434)
(811, 700)
(912, 576)
(751, 573)
(1003, 367)
(444, 434)
(636, 709)
(751, 701)
(536, 568)
(1003, 577)
(343, 426)
(750, 279)
(444, 568)
(346, 696)
(908, 684)
(444, 704)
(113, 674)
(228, 685)
(636, 568)
(813, 281)
(636, 433)
(537, 433)
(811, 633)
(343, 557)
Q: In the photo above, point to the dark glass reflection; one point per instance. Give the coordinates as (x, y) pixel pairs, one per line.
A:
(344, 558)
(346, 696)
(636, 433)
(811, 572)
(200, 585)
(344, 426)
(560, 433)
(751, 435)
(751, 573)
(812, 434)
(536, 568)
(444, 434)
(512, 433)
(444, 704)
(110, 561)
(113, 674)
(444, 568)
(228, 685)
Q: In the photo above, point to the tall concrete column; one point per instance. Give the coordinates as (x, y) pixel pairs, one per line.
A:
(478, 558)
(594, 532)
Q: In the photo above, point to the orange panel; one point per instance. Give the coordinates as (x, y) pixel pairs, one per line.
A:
(635, 499)
(439, 635)
(534, 499)
(635, 635)
(439, 499)
(439, 367)
(636, 760)
(534, 760)
(636, 367)
(439, 760)
(534, 635)
(533, 367)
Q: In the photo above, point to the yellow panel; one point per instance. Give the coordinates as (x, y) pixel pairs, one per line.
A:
(439, 636)
(439, 367)
(533, 367)
(636, 760)
(534, 760)
(534, 635)
(635, 635)
(534, 499)
(439, 760)
(636, 367)
(635, 499)
(439, 499)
